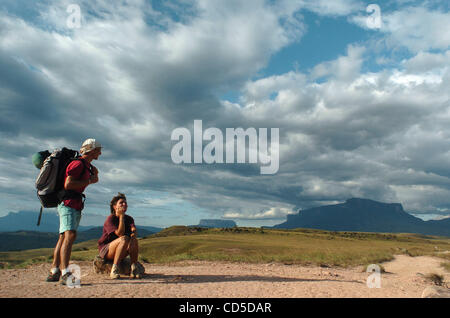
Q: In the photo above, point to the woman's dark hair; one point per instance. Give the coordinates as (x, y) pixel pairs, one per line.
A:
(114, 201)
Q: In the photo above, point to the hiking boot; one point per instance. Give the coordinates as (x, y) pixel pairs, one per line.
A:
(136, 271)
(54, 277)
(114, 272)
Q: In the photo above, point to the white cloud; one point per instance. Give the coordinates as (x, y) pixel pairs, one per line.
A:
(347, 135)
(270, 214)
(345, 68)
(416, 28)
(425, 62)
(226, 41)
(343, 132)
(410, 80)
(261, 89)
(336, 7)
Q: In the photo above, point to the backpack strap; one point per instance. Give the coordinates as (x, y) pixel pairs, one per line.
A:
(85, 166)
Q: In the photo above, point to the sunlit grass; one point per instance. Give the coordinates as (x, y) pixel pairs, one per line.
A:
(254, 245)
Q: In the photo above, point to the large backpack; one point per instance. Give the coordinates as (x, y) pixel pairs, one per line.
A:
(50, 181)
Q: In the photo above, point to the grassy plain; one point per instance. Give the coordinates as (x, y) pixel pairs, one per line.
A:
(255, 245)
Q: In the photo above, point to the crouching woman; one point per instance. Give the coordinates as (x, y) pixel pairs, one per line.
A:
(119, 238)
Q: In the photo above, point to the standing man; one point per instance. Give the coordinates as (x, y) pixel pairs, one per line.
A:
(79, 174)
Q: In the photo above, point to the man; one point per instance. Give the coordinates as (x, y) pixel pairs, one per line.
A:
(79, 174)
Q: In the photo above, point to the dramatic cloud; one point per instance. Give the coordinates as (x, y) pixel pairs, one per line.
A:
(136, 70)
(415, 28)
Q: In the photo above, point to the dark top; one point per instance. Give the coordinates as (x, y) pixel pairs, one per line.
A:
(110, 226)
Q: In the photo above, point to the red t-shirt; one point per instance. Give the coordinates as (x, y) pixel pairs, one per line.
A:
(75, 169)
(109, 228)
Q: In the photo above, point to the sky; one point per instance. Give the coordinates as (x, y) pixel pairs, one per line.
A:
(358, 90)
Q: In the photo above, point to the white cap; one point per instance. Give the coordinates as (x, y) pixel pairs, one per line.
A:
(89, 145)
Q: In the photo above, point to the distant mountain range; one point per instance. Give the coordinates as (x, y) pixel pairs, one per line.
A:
(18, 231)
(364, 215)
(27, 221)
(25, 240)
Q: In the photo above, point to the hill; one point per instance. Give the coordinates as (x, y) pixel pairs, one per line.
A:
(215, 223)
(254, 245)
(27, 221)
(25, 240)
(363, 215)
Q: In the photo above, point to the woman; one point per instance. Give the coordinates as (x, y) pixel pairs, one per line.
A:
(119, 238)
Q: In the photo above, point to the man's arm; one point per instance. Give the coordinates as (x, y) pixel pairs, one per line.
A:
(74, 184)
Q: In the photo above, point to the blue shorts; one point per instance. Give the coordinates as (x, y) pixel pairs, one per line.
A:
(69, 218)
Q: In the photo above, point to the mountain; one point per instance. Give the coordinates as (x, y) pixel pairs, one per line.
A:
(18, 231)
(27, 220)
(150, 229)
(96, 232)
(216, 223)
(24, 240)
(364, 215)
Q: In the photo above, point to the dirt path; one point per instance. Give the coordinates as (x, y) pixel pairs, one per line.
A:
(220, 279)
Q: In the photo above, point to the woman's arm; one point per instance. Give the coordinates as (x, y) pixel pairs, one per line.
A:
(121, 229)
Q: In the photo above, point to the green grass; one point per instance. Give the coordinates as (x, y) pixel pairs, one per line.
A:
(25, 258)
(254, 245)
(446, 266)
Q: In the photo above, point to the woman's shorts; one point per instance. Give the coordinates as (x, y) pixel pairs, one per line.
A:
(69, 218)
(104, 251)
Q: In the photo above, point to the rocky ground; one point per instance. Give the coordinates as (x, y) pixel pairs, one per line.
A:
(405, 277)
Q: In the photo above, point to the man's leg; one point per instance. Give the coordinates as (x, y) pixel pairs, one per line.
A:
(55, 272)
(56, 252)
(69, 221)
(66, 248)
(64, 219)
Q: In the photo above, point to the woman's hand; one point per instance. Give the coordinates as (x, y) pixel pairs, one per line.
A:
(133, 231)
(120, 211)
